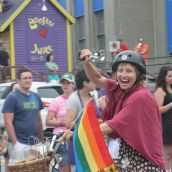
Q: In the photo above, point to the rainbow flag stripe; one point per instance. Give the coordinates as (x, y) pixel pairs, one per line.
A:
(90, 150)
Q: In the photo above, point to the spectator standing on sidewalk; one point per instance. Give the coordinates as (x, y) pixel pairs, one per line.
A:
(4, 60)
(57, 115)
(75, 103)
(13, 87)
(53, 69)
(131, 114)
(163, 96)
(143, 49)
(22, 117)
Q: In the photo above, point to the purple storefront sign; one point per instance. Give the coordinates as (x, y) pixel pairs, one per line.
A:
(40, 37)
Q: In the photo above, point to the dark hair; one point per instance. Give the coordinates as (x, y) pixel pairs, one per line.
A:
(120, 40)
(12, 85)
(8, 90)
(22, 70)
(161, 77)
(48, 57)
(80, 77)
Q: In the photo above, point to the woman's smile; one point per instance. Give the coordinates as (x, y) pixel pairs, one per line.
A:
(126, 75)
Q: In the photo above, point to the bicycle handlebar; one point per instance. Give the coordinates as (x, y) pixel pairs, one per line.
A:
(54, 140)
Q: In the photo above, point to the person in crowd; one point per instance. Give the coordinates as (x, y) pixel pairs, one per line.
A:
(75, 103)
(3, 145)
(13, 87)
(143, 49)
(53, 69)
(122, 47)
(4, 56)
(102, 102)
(163, 96)
(4, 150)
(127, 113)
(22, 117)
(4, 61)
(57, 115)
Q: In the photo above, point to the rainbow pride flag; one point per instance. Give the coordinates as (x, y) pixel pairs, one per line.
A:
(90, 150)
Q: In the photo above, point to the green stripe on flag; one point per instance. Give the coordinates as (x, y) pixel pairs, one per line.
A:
(80, 151)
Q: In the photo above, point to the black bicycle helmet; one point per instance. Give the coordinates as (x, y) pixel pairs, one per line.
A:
(129, 57)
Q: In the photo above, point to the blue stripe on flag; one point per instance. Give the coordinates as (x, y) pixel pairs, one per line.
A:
(78, 164)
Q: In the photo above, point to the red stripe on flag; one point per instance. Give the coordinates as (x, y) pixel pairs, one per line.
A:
(90, 109)
(92, 141)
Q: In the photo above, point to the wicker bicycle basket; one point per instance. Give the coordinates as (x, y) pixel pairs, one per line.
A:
(38, 165)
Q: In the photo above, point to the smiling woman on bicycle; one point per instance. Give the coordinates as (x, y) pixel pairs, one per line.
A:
(131, 113)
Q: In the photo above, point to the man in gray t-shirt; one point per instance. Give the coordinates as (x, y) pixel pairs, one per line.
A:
(75, 103)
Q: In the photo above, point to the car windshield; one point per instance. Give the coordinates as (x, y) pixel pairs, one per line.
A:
(49, 92)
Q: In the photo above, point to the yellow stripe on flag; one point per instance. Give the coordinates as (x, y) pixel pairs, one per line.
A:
(86, 148)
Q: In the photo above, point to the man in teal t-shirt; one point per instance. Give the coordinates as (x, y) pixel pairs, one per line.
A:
(22, 117)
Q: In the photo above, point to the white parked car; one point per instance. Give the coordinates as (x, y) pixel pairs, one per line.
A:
(47, 91)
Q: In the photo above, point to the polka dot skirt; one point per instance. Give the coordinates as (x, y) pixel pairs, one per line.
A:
(130, 160)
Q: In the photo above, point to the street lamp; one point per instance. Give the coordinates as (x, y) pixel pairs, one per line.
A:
(44, 7)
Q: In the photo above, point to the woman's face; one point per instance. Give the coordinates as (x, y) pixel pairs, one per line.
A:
(68, 87)
(89, 85)
(168, 77)
(126, 75)
(51, 58)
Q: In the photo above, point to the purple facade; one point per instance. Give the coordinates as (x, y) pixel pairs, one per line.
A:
(39, 33)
